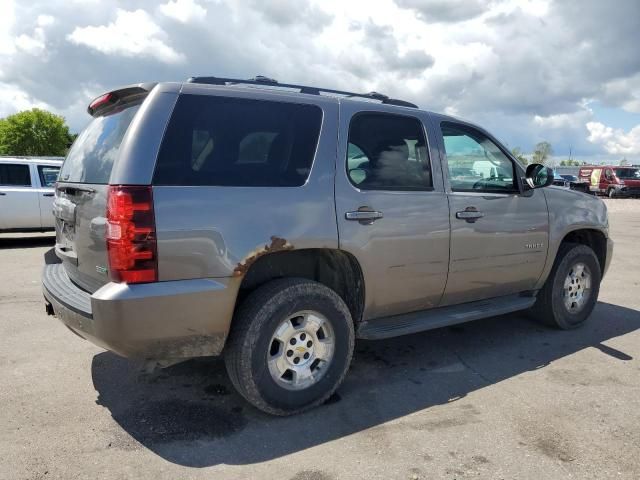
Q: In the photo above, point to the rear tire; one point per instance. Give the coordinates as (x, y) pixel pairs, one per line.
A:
(611, 193)
(571, 291)
(290, 345)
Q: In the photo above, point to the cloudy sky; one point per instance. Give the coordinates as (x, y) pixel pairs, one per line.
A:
(528, 70)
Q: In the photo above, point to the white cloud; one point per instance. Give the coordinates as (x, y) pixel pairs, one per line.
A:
(563, 120)
(132, 34)
(183, 10)
(32, 44)
(523, 69)
(615, 140)
(45, 20)
(14, 99)
(7, 21)
(624, 92)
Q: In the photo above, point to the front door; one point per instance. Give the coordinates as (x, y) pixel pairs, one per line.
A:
(392, 210)
(499, 232)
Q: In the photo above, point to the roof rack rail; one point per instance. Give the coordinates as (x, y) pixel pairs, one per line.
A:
(265, 81)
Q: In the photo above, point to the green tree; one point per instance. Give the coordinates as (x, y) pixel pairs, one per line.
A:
(542, 152)
(516, 152)
(569, 163)
(34, 132)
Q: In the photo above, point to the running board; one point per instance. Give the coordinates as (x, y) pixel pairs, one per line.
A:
(408, 323)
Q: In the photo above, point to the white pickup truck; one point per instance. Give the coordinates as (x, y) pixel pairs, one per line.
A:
(27, 193)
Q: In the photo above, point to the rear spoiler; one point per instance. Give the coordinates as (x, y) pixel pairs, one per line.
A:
(112, 102)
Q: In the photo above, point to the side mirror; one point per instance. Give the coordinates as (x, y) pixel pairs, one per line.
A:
(538, 176)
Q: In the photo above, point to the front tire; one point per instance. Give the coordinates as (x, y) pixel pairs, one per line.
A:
(611, 193)
(290, 345)
(571, 291)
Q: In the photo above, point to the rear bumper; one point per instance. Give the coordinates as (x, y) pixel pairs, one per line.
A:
(163, 320)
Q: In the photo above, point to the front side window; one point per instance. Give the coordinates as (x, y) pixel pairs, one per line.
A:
(628, 173)
(475, 163)
(388, 152)
(48, 175)
(223, 141)
(15, 175)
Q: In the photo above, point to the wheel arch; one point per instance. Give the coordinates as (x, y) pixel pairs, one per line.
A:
(334, 268)
(592, 238)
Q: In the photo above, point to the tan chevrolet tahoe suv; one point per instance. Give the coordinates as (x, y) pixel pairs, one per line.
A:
(274, 224)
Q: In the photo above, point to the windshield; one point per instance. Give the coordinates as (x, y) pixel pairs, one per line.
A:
(91, 157)
(630, 173)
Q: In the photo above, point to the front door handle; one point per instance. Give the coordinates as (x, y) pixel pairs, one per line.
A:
(469, 214)
(364, 215)
(2, 194)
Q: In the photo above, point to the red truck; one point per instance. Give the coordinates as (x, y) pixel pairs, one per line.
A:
(613, 181)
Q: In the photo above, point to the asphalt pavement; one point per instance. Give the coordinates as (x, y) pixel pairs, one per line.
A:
(497, 398)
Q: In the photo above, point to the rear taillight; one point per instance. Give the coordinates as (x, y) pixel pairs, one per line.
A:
(131, 234)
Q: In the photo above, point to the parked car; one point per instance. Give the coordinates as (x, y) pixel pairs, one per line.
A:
(612, 181)
(560, 181)
(26, 193)
(570, 181)
(570, 178)
(274, 226)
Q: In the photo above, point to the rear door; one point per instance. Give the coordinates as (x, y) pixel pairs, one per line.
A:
(391, 209)
(18, 199)
(81, 196)
(499, 232)
(45, 177)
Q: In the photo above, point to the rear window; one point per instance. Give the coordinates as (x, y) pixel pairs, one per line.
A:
(91, 157)
(15, 175)
(225, 141)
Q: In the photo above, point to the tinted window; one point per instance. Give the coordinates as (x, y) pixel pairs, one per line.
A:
(91, 157)
(475, 163)
(15, 175)
(237, 142)
(629, 173)
(48, 175)
(387, 152)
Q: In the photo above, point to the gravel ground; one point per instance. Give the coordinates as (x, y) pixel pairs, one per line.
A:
(498, 398)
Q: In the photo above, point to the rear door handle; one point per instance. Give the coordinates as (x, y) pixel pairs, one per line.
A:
(48, 194)
(469, 214)
(2, 194)
(363, 216)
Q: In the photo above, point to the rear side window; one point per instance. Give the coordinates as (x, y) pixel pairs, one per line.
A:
(387, 152)
(225, 141)
(91, 157)
(15, 175)
(48, 175)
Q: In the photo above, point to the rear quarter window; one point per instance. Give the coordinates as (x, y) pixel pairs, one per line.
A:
(222, 141)
(48, 175)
